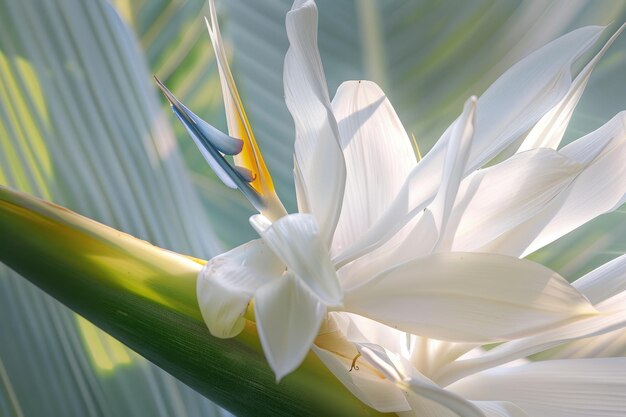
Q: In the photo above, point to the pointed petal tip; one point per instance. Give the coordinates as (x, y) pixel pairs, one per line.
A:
(288, 320)
(168, 95)
(280, 374)
(470, 104)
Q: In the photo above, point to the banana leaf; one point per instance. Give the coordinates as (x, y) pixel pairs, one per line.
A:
(80, 125)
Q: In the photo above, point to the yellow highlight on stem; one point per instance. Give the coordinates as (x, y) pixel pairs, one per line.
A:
(106, 353)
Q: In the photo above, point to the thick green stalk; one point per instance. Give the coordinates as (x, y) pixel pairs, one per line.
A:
(146, 297)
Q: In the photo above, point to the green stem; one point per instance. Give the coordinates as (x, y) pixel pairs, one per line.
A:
(146, 297)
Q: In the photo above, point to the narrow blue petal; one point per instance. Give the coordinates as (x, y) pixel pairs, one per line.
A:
(204, 136)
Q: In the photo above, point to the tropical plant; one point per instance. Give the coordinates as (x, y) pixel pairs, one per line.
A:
(81, 126)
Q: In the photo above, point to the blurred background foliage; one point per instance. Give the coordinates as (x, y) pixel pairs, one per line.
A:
(81, 124)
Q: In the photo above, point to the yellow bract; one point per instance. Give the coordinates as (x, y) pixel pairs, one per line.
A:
(238, 126)
(250, 156)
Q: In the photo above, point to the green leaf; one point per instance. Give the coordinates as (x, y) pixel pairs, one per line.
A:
(81, 124)
(146, 297)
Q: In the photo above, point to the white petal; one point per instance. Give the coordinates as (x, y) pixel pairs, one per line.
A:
(378, 156)
(415, 239)
(560, 388)
(429, 355)
(423, 406)
(612, 317)
(454, 169)
(335, 347)
(378, 393)
(425, 354)
(549, 131)
(300, 186)
(517, 100)
(228, 281)
(469, 297)
(599, 285)
(608, 345)
(358, 329)
(605, 281)
(317, 149)
(500, 409)
(524, 93)
(490, 203)
(296, 239)
(288, 318)
(417, 386)
(495, 200)
(600, 187)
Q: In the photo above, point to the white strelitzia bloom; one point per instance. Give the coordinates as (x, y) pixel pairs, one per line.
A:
(430, 247)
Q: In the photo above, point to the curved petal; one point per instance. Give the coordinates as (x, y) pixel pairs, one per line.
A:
(495, 200)
(560, 388)
(288, 318)
(607, 345)
(335, 347)
(549, 131)
(423, 406)
(364, 383)
(598, 188)
(599, 285)
(500, 409)
(426, 232)
(509, 107)
(612, 317)
(359, 329)
(604, 282)
(317, 149)
(417, 386)
(469, 297)
(426, 236)
(378, 155)
(454, 166)
(429, 355)
(227, 282)
(296, 239)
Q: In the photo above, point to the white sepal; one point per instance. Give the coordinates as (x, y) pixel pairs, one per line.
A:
(288, 318)
(227, 282)
(297, 240)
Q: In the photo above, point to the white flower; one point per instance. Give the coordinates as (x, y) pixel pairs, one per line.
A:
(429, 247)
